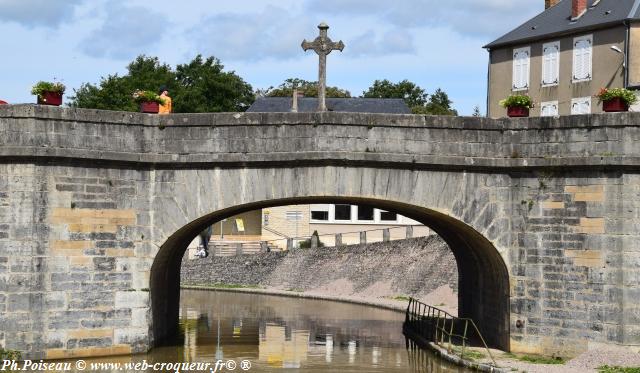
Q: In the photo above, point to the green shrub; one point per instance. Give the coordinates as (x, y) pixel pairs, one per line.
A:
(536, 359)
(626, 95)
(9, 354)
(39, 88)
(147, 96)
(517, 101)
(617, 369)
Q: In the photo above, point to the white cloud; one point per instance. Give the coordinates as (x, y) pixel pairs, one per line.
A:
(270, 33)
(34, 13)
(375, 44)
(276, 33)
(127, 31)
(483, 18)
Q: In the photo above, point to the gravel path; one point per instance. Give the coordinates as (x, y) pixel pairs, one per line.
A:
(586, 362)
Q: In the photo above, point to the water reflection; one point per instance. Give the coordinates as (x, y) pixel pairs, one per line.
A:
(303, 335)
(291, 334)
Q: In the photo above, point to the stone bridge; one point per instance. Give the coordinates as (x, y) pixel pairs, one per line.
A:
(97, 208)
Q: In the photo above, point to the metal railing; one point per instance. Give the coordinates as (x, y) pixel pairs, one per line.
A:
(440, 327)
(362, 236)
(230, 248)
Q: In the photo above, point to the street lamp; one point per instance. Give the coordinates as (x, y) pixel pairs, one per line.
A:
(616, 49)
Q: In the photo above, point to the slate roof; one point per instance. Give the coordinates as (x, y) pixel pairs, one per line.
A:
(350, 105)
(556, 20)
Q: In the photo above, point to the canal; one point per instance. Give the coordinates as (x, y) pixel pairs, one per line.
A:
(289, 334)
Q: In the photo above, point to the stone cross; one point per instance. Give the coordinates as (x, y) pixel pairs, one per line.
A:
(322, 45)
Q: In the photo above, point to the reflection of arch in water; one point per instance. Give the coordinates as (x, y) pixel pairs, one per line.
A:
(483, 288)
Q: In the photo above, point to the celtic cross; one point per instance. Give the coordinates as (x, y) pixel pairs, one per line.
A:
(322, 45)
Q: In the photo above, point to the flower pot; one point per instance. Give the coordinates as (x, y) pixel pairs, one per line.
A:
(50, 98)
(614, 105)
(517, 111)
(149, 107)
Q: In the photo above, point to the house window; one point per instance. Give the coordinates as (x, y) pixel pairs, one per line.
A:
(582, 54)
(550, 63)
(521, 68)
(342, 212)
(581, 105)
(320, 215)
(388, 216)
(319, 212)
(365, 213)
(549, 109)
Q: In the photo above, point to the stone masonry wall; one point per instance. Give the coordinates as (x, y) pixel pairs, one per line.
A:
(415, 267)
(72, 276)
(542, 213)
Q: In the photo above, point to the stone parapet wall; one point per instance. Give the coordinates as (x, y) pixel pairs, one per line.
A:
(197, 140)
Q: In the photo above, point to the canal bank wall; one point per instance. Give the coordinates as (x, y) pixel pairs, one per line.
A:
(422, 267)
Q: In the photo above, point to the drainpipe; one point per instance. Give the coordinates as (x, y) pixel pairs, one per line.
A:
(488, 84)
(626, 53)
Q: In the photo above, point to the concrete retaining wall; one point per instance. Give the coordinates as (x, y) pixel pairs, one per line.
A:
(415, 267)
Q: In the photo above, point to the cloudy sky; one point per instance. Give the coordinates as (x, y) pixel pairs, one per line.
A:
(433, 43)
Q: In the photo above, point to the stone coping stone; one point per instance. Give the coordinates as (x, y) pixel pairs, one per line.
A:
(326, 118)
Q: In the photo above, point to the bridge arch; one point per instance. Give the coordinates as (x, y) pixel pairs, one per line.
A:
(483, 288)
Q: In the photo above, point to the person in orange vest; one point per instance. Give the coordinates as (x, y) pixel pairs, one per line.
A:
(165, 108)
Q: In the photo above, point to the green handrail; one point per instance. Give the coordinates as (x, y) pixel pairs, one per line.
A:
(443, 334)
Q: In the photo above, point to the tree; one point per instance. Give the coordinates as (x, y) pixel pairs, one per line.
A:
(199, 86)
(114, 92)
(308, 88)
(205, 87)
(440, 104)
(411, 93)
(415, 97)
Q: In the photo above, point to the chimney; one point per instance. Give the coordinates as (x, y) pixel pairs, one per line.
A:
(578, 8)
(294, 105)
(549, 3)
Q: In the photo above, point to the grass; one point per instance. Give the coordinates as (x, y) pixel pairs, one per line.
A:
(226, 286)
(536, 359)
(617, 369)
(469, 354)
(402, 298)
(9, 354)
(297, 290)
(473, 355)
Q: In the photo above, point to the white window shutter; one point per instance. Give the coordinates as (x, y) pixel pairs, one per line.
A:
(582, 56)
(581, 105)
(550, 63)
(577, 61)
(521, 68)
(586, 105)
(555, 64)
(548, 109)
(587, 59)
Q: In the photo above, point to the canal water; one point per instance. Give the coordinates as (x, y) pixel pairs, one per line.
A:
(288, 334)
